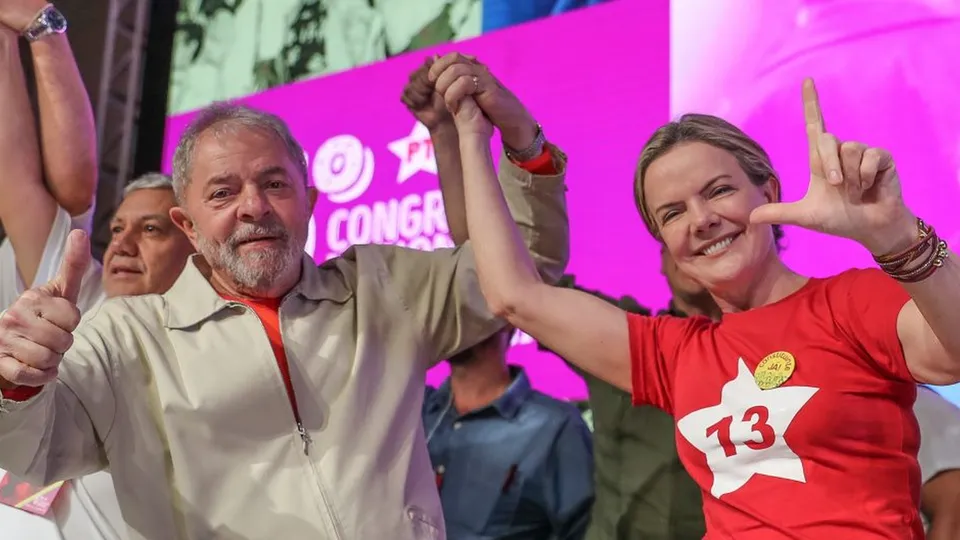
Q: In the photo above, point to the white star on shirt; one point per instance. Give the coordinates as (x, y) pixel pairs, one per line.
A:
(415, 152)
(752, 422)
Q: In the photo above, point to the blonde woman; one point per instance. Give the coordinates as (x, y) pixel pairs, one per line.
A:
(794, 411)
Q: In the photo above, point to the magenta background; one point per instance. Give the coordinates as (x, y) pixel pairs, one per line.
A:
(602, 79)
(585, 91)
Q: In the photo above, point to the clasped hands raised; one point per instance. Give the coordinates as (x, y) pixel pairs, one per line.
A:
(458, 90)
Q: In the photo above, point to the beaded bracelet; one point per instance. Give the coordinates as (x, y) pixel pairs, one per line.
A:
(929, 250)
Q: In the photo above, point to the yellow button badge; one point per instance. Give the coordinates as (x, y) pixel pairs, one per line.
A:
(774, 370)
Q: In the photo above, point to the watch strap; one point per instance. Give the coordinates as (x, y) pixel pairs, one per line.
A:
(41, 25)
(531, 152)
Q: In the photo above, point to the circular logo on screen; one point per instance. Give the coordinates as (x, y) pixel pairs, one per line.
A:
(343, 168)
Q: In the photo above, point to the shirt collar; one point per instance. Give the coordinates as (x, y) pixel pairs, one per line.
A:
(507, 405)
(192, 299)
(519, 390)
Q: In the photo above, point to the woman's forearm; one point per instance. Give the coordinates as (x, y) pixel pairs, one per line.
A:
(927, 326)
(936, 298)
(503, 262)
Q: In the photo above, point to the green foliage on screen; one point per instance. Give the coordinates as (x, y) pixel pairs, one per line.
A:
(225, 49)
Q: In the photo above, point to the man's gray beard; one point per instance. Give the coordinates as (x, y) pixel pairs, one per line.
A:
(257, 271)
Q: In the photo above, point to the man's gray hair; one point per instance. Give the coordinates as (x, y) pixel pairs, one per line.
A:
(224, 113)
(151, 180)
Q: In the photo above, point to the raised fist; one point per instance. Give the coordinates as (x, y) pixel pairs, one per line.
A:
(37, 329)
(423, 101)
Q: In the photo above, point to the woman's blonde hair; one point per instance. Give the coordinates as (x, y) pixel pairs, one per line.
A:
(717, 132)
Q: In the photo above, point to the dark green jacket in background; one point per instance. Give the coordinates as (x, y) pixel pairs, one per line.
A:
(642, 490)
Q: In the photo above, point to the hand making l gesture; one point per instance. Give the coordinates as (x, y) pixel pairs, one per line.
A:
(854, 190)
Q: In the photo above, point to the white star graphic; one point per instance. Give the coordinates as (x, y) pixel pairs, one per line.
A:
(743, 435)
(415, 152)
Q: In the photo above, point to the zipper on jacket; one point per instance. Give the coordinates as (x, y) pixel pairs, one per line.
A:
(333, 522)
(304, 436)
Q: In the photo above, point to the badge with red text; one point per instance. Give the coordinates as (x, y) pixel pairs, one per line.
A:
(774, 370)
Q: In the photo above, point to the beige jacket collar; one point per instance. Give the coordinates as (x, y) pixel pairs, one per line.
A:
(192, 299)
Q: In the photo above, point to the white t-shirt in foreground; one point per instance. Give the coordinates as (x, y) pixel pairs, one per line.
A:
(939, 434)
(12, 285)
(86, 508)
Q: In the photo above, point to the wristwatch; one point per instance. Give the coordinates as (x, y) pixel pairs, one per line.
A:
(531, 152)
(48, 21)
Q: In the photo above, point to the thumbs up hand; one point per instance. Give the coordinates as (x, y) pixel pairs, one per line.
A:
(37, 329)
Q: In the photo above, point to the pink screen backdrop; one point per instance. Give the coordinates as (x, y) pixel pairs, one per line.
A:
(886, 73)
(600, 80)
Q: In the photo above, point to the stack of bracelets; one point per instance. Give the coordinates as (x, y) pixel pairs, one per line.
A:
(929, 251)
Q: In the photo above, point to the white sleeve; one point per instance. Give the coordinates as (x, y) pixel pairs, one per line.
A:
(11, 284)
(939, 433)
(85, 220)
(53, 251)
(10, 287)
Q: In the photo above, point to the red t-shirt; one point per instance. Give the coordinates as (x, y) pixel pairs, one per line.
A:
(268, 311)
(830, 453)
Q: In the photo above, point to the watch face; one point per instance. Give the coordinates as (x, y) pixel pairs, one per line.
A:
(56, 21)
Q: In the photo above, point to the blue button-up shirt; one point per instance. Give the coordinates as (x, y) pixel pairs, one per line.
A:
(520, 468)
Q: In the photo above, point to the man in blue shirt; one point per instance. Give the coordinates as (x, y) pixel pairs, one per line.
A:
(510, 462)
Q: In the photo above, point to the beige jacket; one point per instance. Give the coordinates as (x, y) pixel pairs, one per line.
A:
(180, 395)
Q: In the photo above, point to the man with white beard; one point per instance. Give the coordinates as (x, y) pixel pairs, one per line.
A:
(48, 182)
(262, 396)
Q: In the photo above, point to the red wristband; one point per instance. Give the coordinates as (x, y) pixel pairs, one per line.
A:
(540, 165)
(21, 393)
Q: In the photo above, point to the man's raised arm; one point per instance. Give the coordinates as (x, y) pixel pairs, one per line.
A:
(518, 129)
(67, 128)
(440, 288)
(428, 108)
(27, 210)
(32, 209)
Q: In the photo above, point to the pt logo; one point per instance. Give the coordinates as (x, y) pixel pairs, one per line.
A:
(743, 434)
(415, 152)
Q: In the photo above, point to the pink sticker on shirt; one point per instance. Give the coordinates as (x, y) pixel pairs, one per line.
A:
(25, 496)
